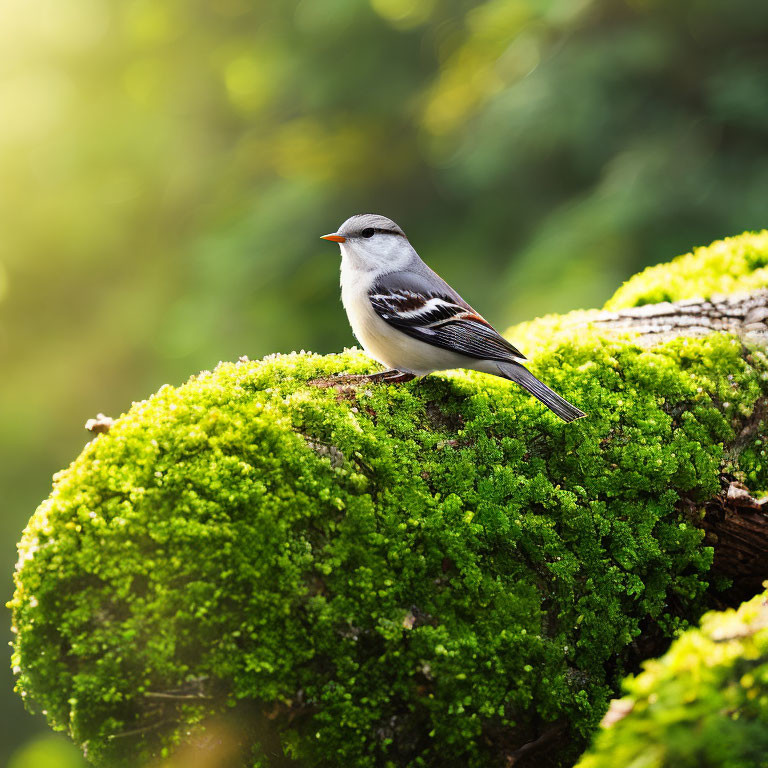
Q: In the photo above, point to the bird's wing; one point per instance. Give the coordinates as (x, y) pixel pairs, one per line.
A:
(429, 310)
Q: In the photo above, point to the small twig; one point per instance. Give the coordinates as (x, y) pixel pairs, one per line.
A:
(137, 731)
(177, 696)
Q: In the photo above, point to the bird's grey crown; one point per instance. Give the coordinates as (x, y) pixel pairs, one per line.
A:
(354, 225)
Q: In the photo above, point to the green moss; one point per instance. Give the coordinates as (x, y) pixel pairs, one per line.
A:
(425, 574)
(703, 703)
(727, 266)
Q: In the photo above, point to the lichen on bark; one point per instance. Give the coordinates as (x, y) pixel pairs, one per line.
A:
(428, 574)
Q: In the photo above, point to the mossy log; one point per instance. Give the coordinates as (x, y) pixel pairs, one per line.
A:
(704, 703)
(436, 573)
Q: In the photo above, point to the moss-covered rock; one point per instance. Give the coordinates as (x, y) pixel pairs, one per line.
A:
(426, 574)
(704, 703)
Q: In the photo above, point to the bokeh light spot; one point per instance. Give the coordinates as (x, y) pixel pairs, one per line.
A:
(53, 25)
(150, 21)
(47, 752)
(404, 14)
(40, 99)
(248, 83)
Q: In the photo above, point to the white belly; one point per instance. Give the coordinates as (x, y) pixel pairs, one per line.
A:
(390, 346)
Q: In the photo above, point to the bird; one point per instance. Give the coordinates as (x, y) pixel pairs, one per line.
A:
(411, 321)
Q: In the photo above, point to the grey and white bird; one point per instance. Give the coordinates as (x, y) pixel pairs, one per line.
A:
(410, 320)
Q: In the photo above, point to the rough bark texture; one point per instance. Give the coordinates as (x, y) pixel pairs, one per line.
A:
(737, 528)
(745, 314)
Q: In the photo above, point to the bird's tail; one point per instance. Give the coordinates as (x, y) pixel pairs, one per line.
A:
(522, 376)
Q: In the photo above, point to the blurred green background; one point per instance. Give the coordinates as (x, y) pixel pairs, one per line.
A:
(167, 166)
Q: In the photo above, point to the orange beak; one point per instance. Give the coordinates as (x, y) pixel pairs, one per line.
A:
(335, 238)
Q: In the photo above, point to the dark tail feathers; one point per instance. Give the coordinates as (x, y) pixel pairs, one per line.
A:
(522, 376)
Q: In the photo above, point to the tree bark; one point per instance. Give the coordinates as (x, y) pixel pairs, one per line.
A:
(745, 314)
(736, 524)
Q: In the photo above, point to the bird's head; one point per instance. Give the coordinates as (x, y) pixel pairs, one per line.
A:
(373, 242)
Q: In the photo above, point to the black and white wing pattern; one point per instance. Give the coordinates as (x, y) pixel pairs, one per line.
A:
(428, 309)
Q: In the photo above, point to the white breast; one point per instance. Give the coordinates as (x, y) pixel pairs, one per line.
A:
(370, 330)
(384, 343)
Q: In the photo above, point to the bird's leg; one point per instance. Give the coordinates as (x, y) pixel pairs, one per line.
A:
(392, 376)
(401, 377)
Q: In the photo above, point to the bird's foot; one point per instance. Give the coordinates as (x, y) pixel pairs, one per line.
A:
(354, 379)
(392, 376)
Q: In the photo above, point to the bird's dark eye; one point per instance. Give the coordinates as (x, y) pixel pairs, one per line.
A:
(367, 232)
